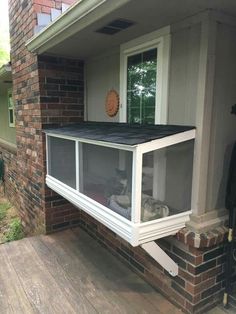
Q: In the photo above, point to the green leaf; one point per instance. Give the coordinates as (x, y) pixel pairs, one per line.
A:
(15, 231)
(3, 210)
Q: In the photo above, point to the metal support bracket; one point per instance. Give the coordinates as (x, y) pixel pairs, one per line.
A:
(161, 257)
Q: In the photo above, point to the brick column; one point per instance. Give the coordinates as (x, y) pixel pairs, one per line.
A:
(46, 90)
(61, 102)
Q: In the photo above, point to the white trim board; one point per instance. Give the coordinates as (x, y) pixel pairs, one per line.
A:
(135, 234)
(204, 114)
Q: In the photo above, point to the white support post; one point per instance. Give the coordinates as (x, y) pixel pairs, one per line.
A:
(204, 115)
(136, 186)
(161, 257)
(77, 165)
(47, 153)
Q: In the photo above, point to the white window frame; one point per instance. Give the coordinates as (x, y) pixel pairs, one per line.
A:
(159, 39)
(10, 106)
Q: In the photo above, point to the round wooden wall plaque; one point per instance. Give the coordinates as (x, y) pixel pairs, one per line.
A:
(112, 103)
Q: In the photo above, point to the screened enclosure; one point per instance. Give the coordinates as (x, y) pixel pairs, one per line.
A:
(135, 179)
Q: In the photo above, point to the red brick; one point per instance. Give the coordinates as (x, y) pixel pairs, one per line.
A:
(33, 115)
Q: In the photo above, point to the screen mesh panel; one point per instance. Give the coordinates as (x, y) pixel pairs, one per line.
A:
(167, 181)
(61, 161)
(106, 177)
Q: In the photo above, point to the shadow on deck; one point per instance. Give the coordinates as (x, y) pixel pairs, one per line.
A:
(69, 272)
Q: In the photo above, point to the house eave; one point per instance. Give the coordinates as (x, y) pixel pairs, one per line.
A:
(82, 14)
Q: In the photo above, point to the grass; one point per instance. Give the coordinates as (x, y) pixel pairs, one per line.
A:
(10, 224)
(3, 210)
(15, 231)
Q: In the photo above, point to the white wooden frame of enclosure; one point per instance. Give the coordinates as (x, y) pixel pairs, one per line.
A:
(134, 231)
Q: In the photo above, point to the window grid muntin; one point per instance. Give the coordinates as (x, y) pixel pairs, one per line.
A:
(11, 109)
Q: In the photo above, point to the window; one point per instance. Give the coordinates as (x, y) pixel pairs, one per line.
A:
(11, 113)
(144, 66)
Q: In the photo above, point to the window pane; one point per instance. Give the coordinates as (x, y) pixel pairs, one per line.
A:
(167, 181)
(61, 160)
(11, 116)
(10, 100)
(148, 107)
(134, 70)
(133, 100)
(106, 177)
(141, 84)
(135, 115)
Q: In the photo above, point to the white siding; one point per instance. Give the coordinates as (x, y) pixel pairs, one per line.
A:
(102, 74)
(184, 68)
(223, 131)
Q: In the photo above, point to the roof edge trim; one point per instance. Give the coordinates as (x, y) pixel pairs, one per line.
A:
(77, 17)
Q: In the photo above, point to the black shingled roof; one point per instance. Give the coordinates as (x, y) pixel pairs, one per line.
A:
(120, 133)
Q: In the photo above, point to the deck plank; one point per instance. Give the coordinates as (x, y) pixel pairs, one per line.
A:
(139, 291)
(112, 273)
(83, 278)
(38, 284)
(73, 295)
(12, 296)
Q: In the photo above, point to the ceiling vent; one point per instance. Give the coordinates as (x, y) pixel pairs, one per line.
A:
(115, 27)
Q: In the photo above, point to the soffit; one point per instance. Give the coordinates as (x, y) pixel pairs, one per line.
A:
(148, 16)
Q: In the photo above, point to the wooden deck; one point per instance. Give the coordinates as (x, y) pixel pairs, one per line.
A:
(69, 272)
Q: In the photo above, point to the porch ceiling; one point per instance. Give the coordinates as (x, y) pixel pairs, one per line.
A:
(74, 34)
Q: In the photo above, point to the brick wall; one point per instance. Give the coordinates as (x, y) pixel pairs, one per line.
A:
(61, 102)
(61, 90)
(35, 82)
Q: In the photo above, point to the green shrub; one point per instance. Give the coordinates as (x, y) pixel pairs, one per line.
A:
(15, 231)
(3, 210)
